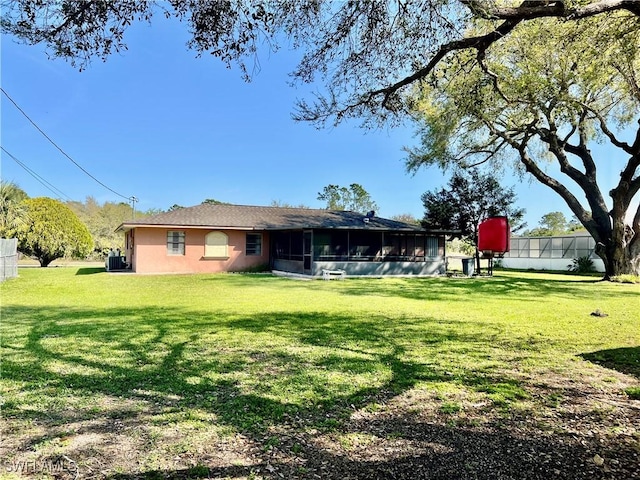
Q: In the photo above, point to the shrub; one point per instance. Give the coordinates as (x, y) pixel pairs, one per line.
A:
(582, 265)
(633, 393)
(52, 231)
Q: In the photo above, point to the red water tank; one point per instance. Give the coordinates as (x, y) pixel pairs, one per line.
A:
(493, 235)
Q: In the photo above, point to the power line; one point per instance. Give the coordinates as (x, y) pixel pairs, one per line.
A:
(48, 185)
(60, 149)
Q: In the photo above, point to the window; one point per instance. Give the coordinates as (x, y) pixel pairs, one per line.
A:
(330, 245)
(433, 249)
(254, 244)
(287, 245)
(364, 246)
(175, 242)
(216, 245)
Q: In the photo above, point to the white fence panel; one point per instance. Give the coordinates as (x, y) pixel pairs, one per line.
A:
(8, 258)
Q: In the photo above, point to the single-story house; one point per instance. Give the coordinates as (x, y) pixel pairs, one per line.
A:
(232, 238)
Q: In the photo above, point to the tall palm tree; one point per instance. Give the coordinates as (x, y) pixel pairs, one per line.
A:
(12, 212)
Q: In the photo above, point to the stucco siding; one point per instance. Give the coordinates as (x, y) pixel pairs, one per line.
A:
(150, 252)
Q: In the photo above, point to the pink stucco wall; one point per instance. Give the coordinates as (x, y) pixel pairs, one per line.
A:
(149, 253)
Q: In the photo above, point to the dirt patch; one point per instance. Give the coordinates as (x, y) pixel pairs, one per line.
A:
(564, 428)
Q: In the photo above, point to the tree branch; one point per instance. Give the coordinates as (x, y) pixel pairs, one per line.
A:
(583, 150)
(494, 77)
(480, 43)
(543, 8)
(490, 154)
(610, 135)
(531, 166)
(550, 137)
(635, 224)
(636, 142)
(586, 181)
(634, 187)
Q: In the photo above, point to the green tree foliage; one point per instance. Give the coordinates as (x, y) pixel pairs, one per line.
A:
(554, 223)
(367, 54)
(281, 204)
(12, 211)
(152, 211)
(539, 99)
(582, 265)
(406, 218)
(52, 231)
(102, 221)
(470, 198)
(354, 199)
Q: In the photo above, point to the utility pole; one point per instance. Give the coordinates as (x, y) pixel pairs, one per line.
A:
(133, 201)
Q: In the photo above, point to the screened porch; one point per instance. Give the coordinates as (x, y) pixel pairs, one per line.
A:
(361, 252)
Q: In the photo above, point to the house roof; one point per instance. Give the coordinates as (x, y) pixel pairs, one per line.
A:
(245, 217)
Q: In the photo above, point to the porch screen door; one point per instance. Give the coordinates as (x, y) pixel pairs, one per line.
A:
(307, 252)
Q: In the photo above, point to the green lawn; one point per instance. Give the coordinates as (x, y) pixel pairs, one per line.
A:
(185, 376)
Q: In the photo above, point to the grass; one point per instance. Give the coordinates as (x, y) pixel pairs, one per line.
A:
(627, 278)
(171, 365)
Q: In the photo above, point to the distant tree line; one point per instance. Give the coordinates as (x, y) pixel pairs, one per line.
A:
(554, 224)
(353, 198)
(102, 221)
(48, 229)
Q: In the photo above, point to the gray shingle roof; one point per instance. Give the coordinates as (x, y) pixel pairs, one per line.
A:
(265, 218)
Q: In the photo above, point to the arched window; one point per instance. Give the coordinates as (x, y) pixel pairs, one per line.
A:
(216, 245)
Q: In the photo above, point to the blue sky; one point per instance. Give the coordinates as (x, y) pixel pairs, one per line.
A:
(170, 128)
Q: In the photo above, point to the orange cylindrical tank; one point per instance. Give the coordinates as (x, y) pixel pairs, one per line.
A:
(493, 235)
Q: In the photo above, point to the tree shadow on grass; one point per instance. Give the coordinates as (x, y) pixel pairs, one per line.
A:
(625, 360)
(419, 450)
(90, 270)
(151, 353)
(258, 374)
(522, 289)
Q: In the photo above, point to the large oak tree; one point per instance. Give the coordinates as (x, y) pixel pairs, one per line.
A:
(540, 99)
